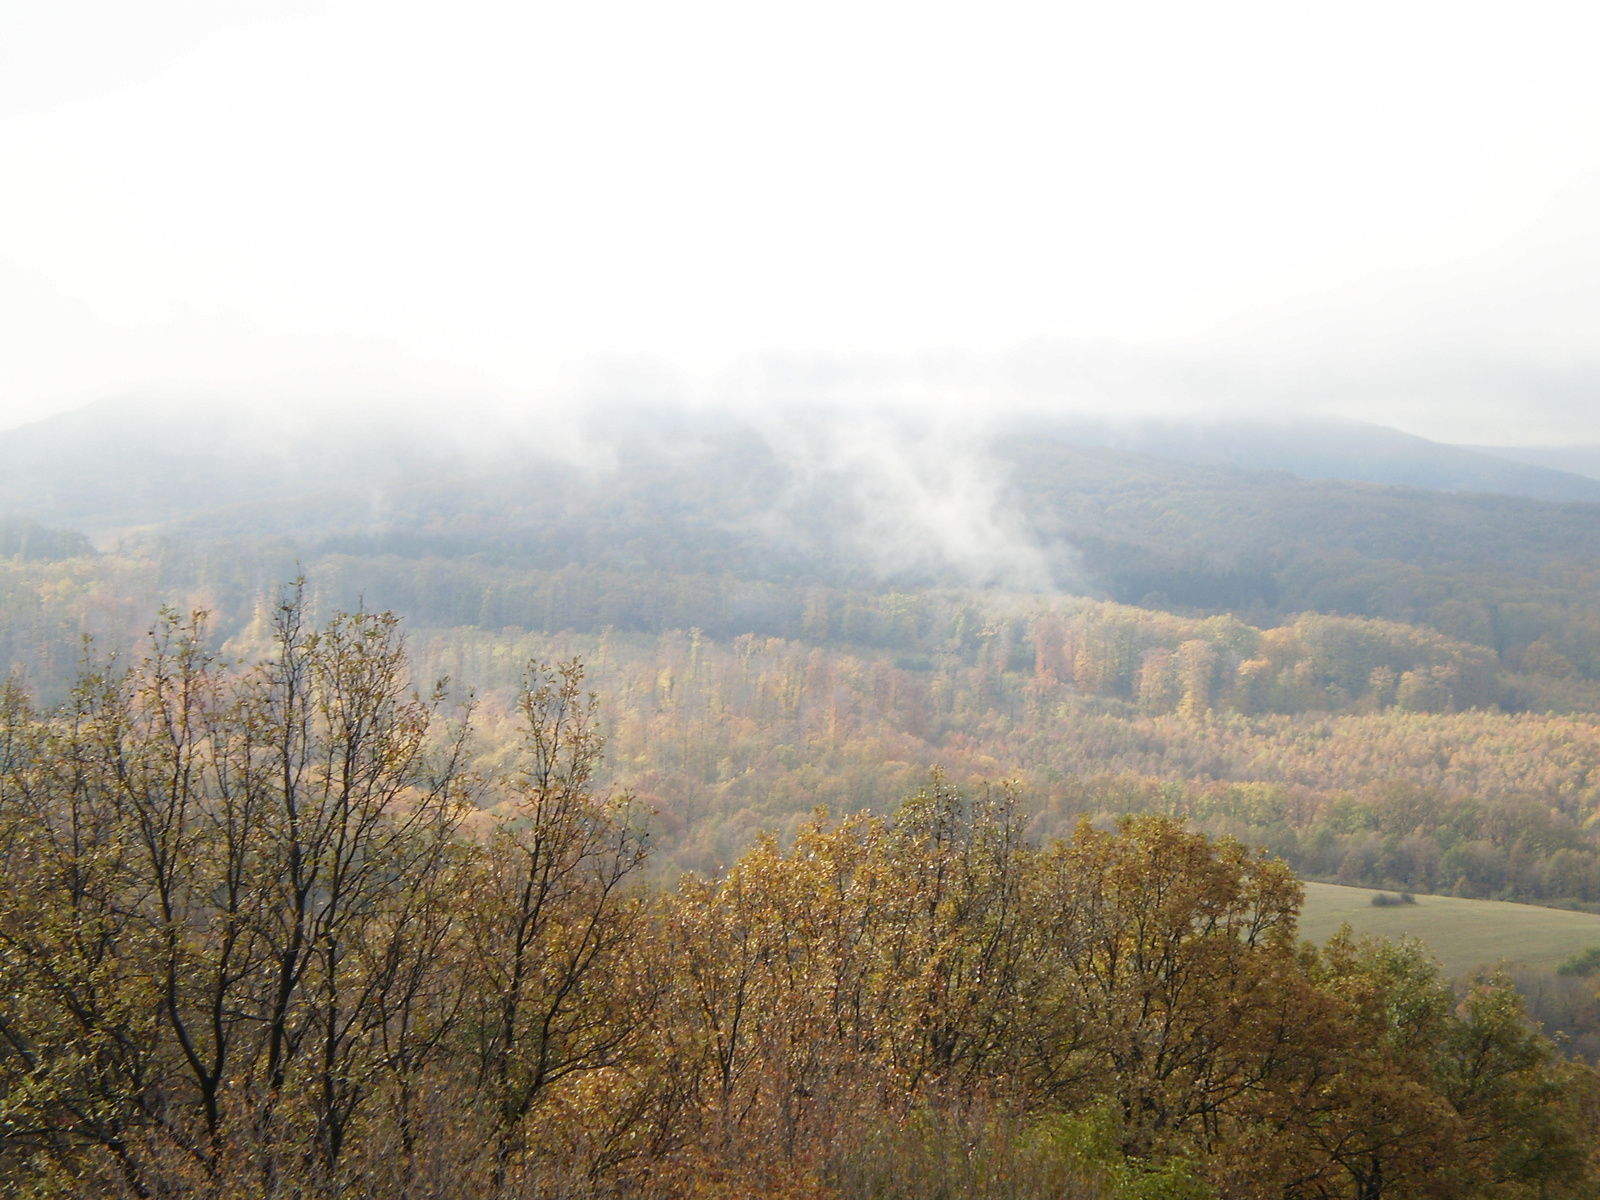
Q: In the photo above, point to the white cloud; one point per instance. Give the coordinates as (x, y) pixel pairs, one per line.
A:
(501, 190)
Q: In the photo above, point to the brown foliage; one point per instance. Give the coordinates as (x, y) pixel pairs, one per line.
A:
(258, 940)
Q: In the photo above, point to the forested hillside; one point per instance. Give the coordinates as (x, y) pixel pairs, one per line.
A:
(895, 745)
(1295, 736)
(655, 520)
(275, 930)
(1334, 449)
(1287, 653)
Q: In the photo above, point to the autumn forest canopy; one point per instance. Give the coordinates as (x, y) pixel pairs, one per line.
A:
(798, 811)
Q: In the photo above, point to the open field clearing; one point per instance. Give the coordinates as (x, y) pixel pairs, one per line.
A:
(1462, 933)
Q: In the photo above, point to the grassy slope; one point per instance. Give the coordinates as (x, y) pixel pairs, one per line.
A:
(1462, 933)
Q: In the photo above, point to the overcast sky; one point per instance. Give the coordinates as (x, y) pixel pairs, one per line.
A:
(1388, 210)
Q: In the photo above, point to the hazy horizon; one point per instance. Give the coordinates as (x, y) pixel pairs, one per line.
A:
(1385, 213)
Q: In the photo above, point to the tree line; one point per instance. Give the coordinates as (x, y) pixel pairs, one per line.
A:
(1521, 656)
(277, 929)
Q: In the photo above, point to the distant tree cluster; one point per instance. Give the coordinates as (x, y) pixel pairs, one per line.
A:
(1533, 653)
(1392, 834)
(25, 540)
(280, 930)
(726, 739)
(1317, 664)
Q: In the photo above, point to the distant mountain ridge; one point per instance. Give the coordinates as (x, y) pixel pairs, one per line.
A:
(1337, 449)
(1214, 516)
(1576, 460)
(118, 466)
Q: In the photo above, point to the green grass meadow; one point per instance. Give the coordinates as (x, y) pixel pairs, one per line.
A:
(1461, 933)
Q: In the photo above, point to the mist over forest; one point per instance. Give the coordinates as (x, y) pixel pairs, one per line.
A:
(857, 601)
(1262, 520)
(1056, 603)
(1259, 649)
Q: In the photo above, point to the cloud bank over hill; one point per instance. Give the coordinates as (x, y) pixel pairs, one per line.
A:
(1372, 212)
(866, 497)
